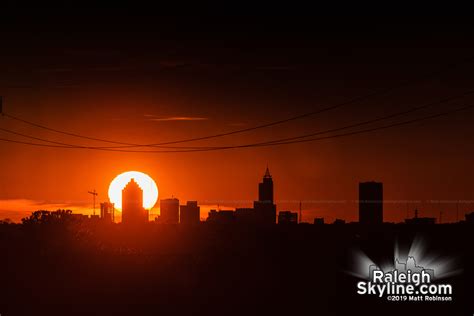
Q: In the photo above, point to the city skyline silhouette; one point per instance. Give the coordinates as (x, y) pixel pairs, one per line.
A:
(248, 105)
(264, 211)
(233, 165)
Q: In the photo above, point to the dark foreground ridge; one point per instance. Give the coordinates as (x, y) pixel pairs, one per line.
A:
(206, 269)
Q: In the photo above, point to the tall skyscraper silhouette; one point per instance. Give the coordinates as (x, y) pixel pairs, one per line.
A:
(132, 205)
(371, 203)
(265, 188)
(265, 210)
(169, 211)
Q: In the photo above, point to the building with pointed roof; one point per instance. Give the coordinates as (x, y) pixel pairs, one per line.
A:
(133, 212)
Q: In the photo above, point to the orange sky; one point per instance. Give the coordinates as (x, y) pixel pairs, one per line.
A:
(156, 81)
(323, 175)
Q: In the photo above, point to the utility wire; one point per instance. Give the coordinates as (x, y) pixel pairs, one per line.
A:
(334, 136)
(386, 117)
(63, 132)
(312, 113)
(390, 116)
(261, 145)
(383, 118)
(81, 146)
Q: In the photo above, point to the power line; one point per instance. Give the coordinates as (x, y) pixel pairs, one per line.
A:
(75, 145)
(339, 135)
(278, 122)
(383, 127)
(372, 120)
(63, 132)
(262, 145)
(448, 99)
(451, 98)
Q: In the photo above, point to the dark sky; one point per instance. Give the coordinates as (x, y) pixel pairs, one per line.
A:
(140, 78)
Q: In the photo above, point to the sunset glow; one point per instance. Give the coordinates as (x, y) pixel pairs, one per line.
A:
(146, 183)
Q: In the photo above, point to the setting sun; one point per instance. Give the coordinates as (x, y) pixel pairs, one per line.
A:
(146, 183)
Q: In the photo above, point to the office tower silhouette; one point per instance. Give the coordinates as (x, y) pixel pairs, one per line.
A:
(265, 188)
(287, 217)
(189, 213)
(133, 212)
(169, 211)
(265, 210)
(107, 212)
(371, 203)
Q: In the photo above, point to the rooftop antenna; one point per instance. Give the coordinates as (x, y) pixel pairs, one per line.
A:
(457, 211)
(301, 214)
(94, 194)
(267, 173)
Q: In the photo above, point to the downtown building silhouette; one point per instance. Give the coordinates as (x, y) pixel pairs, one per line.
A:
(221, 216)
(262, 213)
(318, 221)
(189, 213)
(469, 218)
(420, 220)
(265, 209)
(169, 211)
(370, 203)
(287, 217)
(107, 212)
(133, 212)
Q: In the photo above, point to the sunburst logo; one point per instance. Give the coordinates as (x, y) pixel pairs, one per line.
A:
(413, 275)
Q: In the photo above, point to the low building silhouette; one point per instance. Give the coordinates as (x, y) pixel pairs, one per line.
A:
(319, 221)
(133, 212)
(287, 217)
(169, 211)
(420, 220)
(221, 217)
(469, 218)
(371, 203)
(339, 221)
(107, 212)
(189, 213)
(245, 215)
(79, 217)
